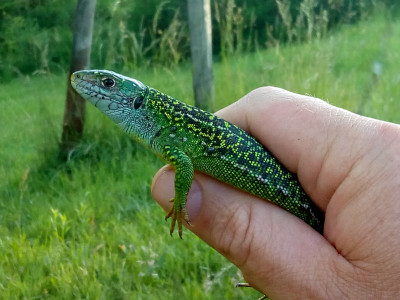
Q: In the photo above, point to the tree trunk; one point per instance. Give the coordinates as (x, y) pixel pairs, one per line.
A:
(74, 114)
(199, 14)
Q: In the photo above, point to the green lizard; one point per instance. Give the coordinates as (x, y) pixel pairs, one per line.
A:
(192, 139)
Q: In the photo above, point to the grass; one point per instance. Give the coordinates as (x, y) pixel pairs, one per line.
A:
(88, 229)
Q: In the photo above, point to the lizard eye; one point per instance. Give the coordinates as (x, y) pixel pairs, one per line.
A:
(108, 82)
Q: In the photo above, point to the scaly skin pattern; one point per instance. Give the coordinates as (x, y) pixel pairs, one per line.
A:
(192, 139)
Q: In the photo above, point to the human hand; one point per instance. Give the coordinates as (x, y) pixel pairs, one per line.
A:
(349, 165)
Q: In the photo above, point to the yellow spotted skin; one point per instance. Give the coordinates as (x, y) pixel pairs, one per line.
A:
(192, 139)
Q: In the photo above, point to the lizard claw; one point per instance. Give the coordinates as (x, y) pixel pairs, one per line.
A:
(177, 215)
(264, 297)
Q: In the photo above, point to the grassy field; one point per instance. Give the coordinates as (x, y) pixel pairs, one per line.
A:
(89, 229)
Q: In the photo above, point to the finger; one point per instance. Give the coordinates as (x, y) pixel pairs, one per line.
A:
(278, 253)
(309, 136)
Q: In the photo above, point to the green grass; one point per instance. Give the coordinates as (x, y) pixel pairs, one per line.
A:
(88, 229)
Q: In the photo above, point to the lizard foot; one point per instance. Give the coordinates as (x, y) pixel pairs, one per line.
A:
(177, 214)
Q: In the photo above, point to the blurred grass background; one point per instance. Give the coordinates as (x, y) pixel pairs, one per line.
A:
(36, 35)
(88, 229)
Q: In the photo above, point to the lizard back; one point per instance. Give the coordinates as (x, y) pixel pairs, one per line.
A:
(228, 153)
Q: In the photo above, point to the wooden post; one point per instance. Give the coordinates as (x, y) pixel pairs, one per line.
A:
(199, 14)
(75, 106)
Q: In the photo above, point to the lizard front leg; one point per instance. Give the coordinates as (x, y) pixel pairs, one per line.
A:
(183, 180)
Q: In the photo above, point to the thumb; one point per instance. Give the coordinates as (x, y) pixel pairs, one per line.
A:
(279, 254)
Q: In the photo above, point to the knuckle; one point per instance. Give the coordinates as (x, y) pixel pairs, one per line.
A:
(263, 92)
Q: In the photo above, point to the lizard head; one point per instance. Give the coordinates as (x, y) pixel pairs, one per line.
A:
(119, 97)
(114, 94)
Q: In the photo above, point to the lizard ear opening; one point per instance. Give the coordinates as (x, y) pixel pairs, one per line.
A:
(138, 101)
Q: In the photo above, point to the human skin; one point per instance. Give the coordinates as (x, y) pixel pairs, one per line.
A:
(348, 164)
